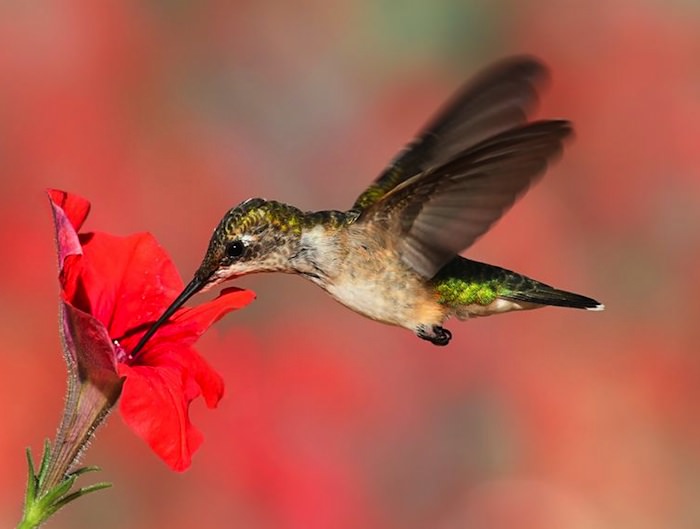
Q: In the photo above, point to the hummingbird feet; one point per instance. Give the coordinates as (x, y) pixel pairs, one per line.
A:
(435, 334)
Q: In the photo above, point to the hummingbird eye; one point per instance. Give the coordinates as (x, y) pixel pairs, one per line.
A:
(235, 248)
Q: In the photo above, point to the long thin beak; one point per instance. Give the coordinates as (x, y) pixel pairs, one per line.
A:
(190, 290)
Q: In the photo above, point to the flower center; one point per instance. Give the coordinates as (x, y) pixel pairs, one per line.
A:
(122, 355)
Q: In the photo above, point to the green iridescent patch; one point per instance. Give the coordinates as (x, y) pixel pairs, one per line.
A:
(455, 291)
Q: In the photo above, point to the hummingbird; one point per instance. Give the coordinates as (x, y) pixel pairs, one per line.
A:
(393, 256)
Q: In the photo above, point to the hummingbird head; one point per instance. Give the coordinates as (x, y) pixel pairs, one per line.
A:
(255, 236)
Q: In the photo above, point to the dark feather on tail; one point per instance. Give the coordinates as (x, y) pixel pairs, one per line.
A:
(545, 295)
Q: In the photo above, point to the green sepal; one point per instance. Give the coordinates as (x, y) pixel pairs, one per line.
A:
(39, 507)
(82, 491)
(32, 481)
(45, 460)
(84, 470)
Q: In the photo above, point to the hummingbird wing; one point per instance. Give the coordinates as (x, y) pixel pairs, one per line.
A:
(497, 99)
(442, 211)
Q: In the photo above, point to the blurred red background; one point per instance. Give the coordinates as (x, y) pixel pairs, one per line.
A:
(165, 114)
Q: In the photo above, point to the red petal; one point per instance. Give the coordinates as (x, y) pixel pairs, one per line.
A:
(208, 380)
(90, 351)
(206, 314)
(188, 324)
(129, 280)
(198, 376)
(154, 404)
(67, 242)
(75, 207)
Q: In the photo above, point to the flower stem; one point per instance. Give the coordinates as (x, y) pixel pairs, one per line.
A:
(90, 408)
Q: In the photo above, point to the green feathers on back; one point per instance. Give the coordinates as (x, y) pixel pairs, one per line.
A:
(277, 216)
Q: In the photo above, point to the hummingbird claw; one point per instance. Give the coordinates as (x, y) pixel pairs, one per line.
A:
(436, 335)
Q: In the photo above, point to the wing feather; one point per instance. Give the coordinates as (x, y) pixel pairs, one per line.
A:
(442, 211)
(497, 99)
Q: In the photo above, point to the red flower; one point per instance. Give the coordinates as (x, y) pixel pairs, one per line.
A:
(121, 285)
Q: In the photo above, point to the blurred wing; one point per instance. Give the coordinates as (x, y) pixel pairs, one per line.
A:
(498, 99)
(441, 212)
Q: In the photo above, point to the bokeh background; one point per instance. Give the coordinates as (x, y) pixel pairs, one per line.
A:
(166, 113)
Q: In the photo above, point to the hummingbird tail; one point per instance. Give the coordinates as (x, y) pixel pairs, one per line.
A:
(467, 285)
